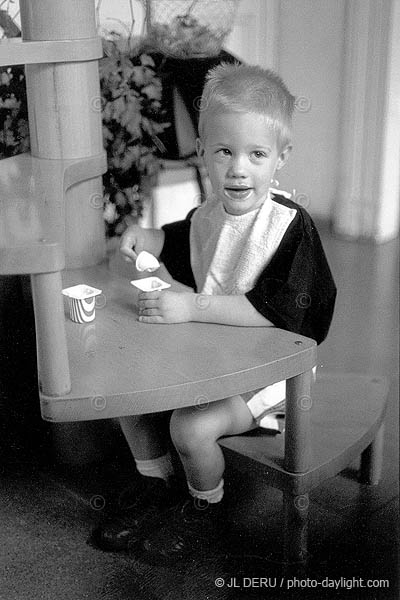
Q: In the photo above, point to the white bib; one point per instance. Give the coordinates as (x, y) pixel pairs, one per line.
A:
(228, 254)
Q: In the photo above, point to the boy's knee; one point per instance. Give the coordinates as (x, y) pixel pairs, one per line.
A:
(188, 429)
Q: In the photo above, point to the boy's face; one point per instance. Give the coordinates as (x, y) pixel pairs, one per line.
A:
(241, 157)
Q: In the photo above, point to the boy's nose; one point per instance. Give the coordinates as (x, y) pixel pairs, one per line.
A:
(237, 168)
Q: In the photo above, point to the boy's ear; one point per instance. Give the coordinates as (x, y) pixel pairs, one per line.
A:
(283, 157)
(199, 148)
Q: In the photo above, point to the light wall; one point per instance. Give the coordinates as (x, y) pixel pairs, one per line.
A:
(310, 60)
(303, 40)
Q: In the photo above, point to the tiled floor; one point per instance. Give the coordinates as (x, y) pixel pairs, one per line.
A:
(47, 510)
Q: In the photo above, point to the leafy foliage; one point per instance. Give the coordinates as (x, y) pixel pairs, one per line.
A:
(133, 118)
(14, 131)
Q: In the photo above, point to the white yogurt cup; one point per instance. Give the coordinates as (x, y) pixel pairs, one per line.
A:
(82, 302)
(150, 284)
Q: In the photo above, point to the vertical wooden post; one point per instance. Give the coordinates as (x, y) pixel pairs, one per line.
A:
(372, 458)
(64, 106)
(298, 423)
(297, 460)
(52, 354)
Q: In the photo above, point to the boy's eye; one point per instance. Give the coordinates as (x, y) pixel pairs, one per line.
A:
(224, 152)
(259, 154)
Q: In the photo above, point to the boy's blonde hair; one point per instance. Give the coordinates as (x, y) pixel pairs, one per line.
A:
(251, 89)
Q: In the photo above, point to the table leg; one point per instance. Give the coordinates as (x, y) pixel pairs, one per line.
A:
(371, 459)
(298, 423)
(51, 342)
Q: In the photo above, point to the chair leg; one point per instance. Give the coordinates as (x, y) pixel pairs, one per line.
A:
(295, 523)
(371, 460)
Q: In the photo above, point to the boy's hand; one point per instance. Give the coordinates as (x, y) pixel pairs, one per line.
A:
(132, 242)
(135, 239)
(165, 307)
(173, 307)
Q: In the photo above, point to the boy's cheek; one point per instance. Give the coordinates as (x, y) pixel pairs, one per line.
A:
(216, 174)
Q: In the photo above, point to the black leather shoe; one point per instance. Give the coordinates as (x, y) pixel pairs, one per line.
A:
(192, 524)
(139, 511)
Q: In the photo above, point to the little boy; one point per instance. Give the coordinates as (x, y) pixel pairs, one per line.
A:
(255, 259)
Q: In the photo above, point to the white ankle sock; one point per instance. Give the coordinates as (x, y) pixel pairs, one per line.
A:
(212, 496)
(156, 467)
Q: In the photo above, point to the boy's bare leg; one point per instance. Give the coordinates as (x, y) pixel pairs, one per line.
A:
(195, 432)
(145, 435)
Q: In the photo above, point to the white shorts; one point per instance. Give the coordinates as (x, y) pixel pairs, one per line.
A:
(267, 405)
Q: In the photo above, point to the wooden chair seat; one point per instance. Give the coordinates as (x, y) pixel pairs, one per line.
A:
(346, 421)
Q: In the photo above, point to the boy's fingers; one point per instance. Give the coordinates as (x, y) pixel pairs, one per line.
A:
(149, 312)
(129, 254)
(152, 303)
(151, 319)
(127, 245)
(149, 295)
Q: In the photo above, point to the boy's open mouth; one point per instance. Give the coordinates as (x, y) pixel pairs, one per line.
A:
(237, 193)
